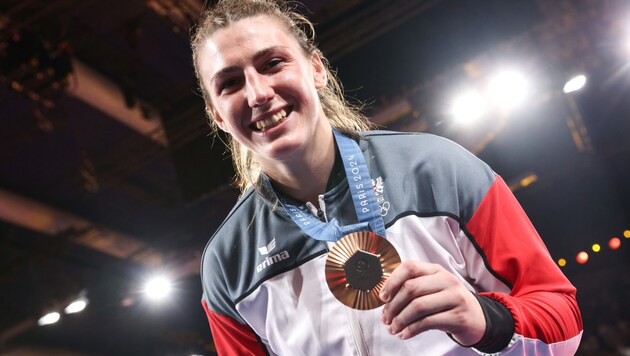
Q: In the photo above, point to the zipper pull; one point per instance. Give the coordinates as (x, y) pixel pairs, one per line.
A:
(320, 215)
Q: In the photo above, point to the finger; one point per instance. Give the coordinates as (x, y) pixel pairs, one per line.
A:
(438, 321)
(453, 321)
(411, 289)
(420, 308)
(407, 270)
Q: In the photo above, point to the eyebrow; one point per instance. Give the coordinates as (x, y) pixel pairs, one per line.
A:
(228, 70)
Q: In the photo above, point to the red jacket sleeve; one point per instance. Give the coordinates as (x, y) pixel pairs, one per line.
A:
(231, 337)
(542, 300)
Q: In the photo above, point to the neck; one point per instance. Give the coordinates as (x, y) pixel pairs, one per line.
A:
(305, 177)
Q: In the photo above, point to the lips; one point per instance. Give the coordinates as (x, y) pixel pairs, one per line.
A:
(270, 122)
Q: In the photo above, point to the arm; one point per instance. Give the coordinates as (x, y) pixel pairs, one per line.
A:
(231, 337)
(541, 300)
(538, 314)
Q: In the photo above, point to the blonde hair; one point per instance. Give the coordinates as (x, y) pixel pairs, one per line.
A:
(342, 115)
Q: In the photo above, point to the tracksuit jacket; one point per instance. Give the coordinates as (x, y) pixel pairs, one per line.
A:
(265, 291)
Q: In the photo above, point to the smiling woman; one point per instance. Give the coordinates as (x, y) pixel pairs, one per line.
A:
(257, 77)
(298, 36)
(468, 269)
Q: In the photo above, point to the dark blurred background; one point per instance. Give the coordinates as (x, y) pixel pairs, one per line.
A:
(108, 175)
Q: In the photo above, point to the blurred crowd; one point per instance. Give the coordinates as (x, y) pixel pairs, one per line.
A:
(606, 315)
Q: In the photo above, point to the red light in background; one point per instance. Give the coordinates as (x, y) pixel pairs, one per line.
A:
(582, 257)
(614, 243)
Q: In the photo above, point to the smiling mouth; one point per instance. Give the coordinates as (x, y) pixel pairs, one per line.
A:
(266, 124)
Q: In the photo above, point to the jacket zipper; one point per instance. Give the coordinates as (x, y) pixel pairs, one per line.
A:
(321, 211)
(357, 332)
(351, 315)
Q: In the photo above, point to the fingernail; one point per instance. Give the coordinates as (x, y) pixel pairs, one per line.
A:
(391, 330)
(384, 296)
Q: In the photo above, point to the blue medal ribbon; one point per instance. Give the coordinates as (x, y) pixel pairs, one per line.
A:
(363, 197)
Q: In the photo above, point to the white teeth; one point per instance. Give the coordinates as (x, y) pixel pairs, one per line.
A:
(265, 124)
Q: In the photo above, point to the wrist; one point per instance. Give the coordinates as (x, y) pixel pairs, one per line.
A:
(474, 328)
(499, 326)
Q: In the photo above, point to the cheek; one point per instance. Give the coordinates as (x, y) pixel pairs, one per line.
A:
(301, 86)
(223, 105)
(233, 111)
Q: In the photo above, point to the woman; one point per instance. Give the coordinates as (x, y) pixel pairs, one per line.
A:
(474, 272)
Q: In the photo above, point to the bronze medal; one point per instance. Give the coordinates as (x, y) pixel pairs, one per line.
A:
(357, 266)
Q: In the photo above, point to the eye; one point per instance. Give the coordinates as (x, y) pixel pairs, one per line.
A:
(273, 63)
(228, 85)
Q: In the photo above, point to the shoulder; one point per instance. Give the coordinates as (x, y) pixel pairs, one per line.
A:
(435, 171)
(426, 152)
(413, 141)
(224, 258)
(233, 221)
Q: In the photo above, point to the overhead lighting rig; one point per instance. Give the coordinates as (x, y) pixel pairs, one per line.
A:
(45, 72)
(30, 66)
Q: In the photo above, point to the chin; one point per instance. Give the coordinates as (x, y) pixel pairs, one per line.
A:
(284, 150)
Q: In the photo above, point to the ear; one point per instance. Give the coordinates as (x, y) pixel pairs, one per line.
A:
(319, 71)
(214, 116)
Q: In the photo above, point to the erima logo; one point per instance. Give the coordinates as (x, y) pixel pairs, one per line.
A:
(283, 255)
(268, 261)
(265, 250)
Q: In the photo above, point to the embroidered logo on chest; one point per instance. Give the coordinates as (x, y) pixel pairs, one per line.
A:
(378, 191)
(265, 250)
(270, 260)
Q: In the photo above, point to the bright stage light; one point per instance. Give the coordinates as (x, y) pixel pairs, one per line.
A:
(574, 84)
(76, 306)
(48, 319)
(157, 288)
(626, 234)
(468, 107)
(508, 89)
(596, 247)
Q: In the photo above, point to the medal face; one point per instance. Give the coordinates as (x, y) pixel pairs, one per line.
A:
(358, 266)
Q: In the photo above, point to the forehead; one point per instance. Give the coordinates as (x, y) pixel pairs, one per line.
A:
(241, 40)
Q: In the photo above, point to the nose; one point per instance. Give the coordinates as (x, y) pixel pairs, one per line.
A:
(258, 89)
